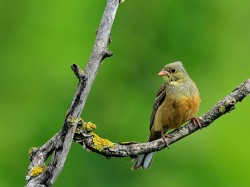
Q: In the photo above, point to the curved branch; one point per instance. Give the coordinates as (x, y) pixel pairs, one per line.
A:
(59, 145)
(133, 149)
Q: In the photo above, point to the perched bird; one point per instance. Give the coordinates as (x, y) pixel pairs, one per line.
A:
(177, 101)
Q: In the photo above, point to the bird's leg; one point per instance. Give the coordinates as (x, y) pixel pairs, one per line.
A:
(164, 137)
(196, 121)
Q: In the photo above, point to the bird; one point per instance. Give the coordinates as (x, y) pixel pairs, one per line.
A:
(177, 101)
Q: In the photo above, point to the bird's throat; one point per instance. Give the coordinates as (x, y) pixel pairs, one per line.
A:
(170, 80)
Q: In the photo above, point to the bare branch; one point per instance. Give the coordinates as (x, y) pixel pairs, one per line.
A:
(134, 149)
(59, 145)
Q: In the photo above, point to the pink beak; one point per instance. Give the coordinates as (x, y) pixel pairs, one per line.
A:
(163, 72)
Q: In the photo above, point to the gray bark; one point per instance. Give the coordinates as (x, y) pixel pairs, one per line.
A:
(60, 144)
(134, 149)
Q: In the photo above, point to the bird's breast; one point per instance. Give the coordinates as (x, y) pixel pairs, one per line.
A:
(175, 111)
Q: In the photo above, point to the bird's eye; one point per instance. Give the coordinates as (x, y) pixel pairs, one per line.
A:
(173, 70)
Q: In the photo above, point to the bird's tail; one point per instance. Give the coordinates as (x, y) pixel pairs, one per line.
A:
(143, 161)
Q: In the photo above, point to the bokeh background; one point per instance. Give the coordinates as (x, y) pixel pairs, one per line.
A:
(39, 40)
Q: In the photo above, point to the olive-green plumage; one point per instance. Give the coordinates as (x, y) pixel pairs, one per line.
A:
(176, 102)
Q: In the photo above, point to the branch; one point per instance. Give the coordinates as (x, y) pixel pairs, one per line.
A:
(106, 148)
(59, 144)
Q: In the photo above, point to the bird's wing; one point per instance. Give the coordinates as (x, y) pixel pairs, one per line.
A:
(160, 96)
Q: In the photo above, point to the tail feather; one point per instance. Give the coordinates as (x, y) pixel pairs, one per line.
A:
(147, 161)
(138, 162)
(143, 161)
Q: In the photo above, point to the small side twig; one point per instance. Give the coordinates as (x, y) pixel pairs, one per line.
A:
(78, 72)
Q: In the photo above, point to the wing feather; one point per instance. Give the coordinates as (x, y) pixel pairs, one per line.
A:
(160, 96)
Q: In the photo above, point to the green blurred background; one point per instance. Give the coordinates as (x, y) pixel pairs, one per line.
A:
(39, 40)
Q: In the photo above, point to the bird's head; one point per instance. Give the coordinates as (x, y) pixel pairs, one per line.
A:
(173, 72)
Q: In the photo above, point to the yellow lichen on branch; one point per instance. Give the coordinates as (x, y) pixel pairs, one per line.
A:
(87, 128)
(100, 143)
(37, 170)
(222, 108)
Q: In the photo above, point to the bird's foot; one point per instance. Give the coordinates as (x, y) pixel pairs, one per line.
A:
(164, 137)
(197, 122)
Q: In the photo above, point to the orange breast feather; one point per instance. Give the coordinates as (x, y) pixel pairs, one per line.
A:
(174, 112)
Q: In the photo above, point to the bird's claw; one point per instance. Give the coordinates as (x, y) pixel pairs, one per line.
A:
(197, 122)
(164, 137)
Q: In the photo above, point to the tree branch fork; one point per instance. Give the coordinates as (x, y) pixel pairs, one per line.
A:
(74, 128)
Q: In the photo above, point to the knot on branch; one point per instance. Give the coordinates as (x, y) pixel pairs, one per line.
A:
(32, 152)
(227, 106)
(244, 88)
(106, 53)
